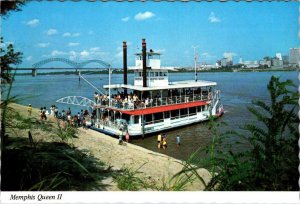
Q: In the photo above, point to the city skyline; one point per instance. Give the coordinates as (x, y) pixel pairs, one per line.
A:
(95, 30)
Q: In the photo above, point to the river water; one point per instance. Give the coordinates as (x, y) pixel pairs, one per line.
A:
(238, 89)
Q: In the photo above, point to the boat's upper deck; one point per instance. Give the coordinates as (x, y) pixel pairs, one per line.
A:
(171, 85)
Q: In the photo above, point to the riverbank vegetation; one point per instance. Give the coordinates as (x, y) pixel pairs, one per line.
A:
(263, 155)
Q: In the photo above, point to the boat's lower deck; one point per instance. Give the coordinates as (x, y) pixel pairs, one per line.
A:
(152, 127)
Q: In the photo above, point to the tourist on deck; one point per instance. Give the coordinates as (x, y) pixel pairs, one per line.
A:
(159, 140)
(29, 110)
(178, 142)
(135, 98)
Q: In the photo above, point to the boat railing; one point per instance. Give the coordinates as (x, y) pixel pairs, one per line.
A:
(112, 124)
(155, 102)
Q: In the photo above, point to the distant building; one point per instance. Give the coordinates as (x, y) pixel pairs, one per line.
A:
(241, 61)
(294, 56)
(279, 56)
(251, 64)
(276, 62)
(285, 59)
(265, 62)
(223, 62)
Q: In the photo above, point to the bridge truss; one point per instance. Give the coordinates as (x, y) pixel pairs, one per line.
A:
(77, 101)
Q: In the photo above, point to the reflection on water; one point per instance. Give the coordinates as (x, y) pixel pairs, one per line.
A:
(238, 89)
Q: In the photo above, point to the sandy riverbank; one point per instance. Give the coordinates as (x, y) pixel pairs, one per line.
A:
(155, 166)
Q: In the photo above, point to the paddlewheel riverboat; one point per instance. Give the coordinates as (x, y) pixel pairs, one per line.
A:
(152, 103)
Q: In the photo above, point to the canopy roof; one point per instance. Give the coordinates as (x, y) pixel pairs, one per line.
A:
(159, 109)
(172, 85)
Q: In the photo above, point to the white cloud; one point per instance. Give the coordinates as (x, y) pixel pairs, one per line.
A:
(51, 31)
(33, 22)
(67, 34)
(207, 55)
(143, 16)
(76, 34)
(73, 44)
(84, 54)
(95, 49)
(29, 58)
(57, 53)
(125, 19)
(42, 45)
(213, 19)
(73, 55)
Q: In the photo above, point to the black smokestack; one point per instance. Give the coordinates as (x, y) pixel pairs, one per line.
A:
(144, 49)
(125, 65)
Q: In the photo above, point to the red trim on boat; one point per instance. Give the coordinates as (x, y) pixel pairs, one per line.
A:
(163, 108)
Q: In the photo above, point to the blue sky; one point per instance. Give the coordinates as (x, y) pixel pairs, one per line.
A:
(95, 30)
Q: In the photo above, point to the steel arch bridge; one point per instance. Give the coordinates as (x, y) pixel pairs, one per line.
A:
(70, 62)
(77, 100)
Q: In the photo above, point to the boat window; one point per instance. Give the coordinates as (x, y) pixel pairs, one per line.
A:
(156, 74)
(165, 73)
(183, 112)
(151, 74)
(167, 114)
(140, 74)
(148, 118)
(174, 114)
(136, 119)
(199, 108)
(192, 111)
(126, 117)
(158, 116)
(160, 73)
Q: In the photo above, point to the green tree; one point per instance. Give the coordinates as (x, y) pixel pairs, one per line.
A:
(8, 57)
(265, 154)
(8, 6)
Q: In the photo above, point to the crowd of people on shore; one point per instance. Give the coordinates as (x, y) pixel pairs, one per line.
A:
(81, 119)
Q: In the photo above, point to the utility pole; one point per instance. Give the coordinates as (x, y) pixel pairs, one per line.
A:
(195, 61)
